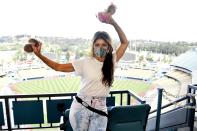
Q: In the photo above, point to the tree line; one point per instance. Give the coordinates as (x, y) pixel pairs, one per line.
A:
(77, 44)
(169, 48)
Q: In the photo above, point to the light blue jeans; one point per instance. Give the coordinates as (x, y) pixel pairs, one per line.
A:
(82, 119)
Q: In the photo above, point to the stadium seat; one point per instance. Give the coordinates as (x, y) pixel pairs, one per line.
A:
(55, 108)
(110, 101)
(28, 112)
(128, 118)
(121, 118)
(66, 123)
(1, 115)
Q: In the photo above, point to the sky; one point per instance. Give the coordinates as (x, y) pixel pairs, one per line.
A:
(160, 20)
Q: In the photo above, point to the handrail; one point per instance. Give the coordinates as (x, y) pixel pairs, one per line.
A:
(37, 95)
(140, 99)
(176, 101)
(70, 94)
(194, 87)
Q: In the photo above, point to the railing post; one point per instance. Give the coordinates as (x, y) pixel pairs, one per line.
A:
(128, 99)
(7, 107)
(159, 103)
(121, 99)
(189, 90)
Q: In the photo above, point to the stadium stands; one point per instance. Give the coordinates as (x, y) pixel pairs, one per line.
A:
(175, 81)
(177, 78)
(140, 74)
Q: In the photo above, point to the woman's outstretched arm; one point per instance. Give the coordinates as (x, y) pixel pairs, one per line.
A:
(54, 65)
(123, 39)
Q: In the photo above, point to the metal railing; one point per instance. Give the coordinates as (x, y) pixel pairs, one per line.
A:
(190, 95)
(123, 96)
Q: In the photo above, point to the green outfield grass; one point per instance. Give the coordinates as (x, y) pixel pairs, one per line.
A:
(72, 84)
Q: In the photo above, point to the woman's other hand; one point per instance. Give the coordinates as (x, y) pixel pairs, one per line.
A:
(105, 17)
(36, 48)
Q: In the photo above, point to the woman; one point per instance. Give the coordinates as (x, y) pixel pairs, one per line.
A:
(97, 75)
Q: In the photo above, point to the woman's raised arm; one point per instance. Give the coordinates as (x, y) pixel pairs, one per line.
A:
(54, 65)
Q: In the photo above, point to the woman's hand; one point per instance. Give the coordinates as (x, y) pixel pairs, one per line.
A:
(111, 21)
(36, 48)
(105, 17)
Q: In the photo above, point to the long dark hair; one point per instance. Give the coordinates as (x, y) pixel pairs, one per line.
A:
(108, 65)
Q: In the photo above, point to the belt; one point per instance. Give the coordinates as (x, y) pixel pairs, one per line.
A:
(90, 108)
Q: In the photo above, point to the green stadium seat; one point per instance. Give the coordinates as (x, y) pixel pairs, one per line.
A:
(1, 115)
(110, 101)
(28, 112)
(66, 125)
(55, 108)
(128, 118)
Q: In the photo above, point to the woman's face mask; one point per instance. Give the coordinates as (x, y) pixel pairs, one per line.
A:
(100, 52)
(100, 48)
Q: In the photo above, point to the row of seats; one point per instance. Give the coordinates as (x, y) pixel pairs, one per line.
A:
(32, 112)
